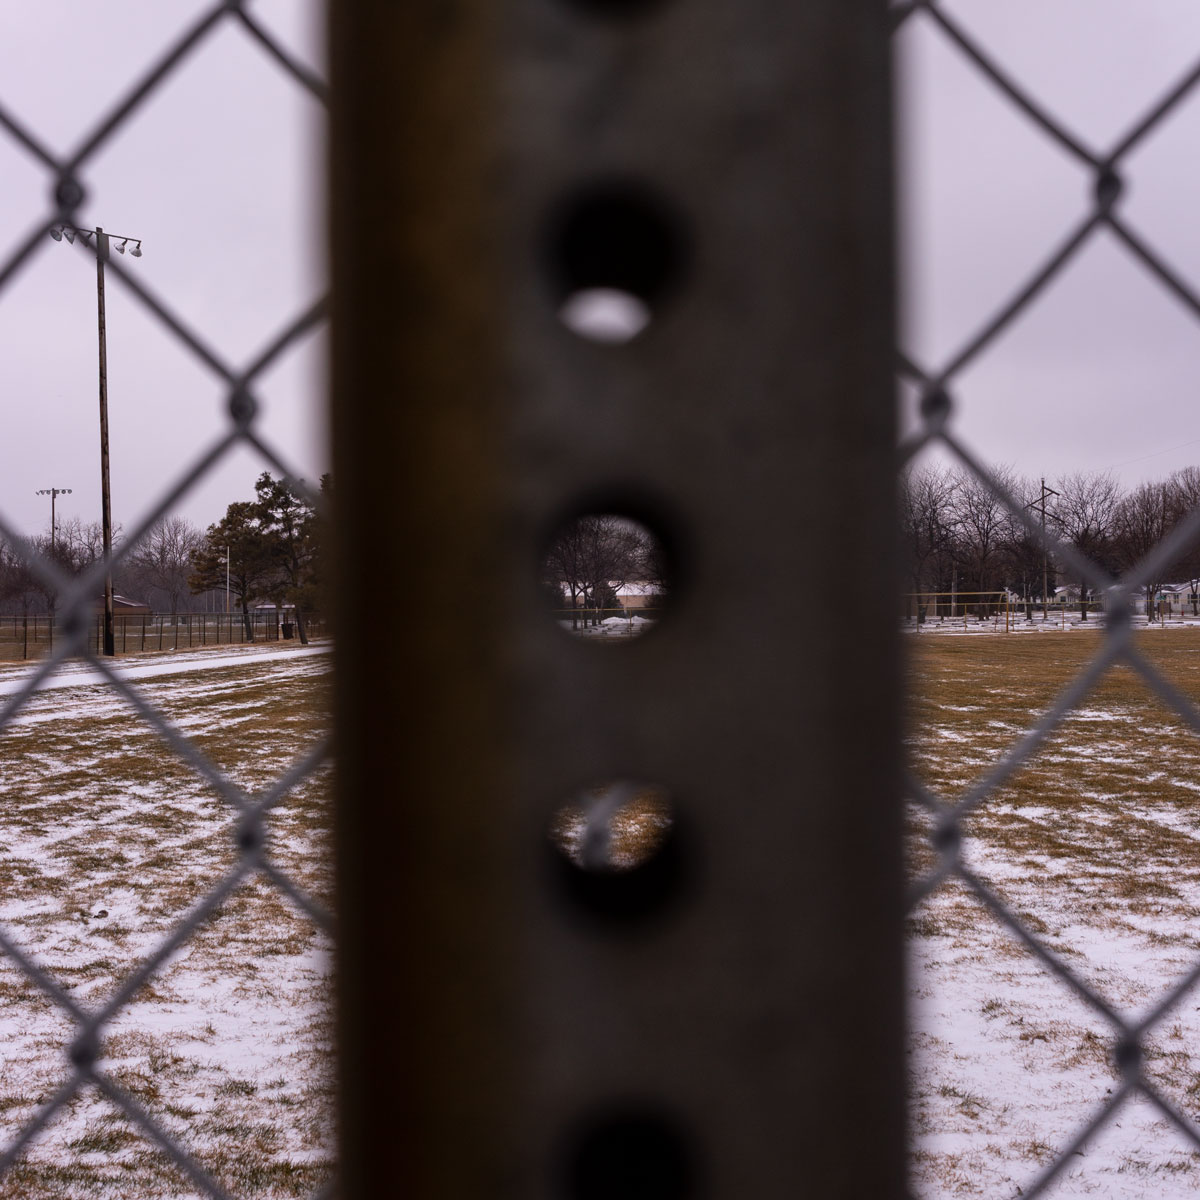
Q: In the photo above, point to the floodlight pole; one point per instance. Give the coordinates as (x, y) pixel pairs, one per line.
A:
(105, 491)
(53, 493)
(70, 232)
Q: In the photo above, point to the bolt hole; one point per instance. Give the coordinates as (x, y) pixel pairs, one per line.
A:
(634, 1154)
(606, 576)
(605, 315)
(614, 252)
(617, 10)
(614, 827)
(617, 850)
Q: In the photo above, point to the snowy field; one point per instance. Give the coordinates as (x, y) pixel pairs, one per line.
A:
(609, 627)
(106, 841)
(1095, 843)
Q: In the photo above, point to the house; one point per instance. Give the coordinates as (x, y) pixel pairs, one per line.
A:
(1174, 598)
(124, 607)
(638, 595)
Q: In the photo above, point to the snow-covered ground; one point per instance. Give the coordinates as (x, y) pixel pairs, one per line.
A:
(106, 841)
(1095, 846)
(72, 673)
(609, 627)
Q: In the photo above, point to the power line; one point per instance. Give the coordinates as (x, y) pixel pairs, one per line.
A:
(1155, 454)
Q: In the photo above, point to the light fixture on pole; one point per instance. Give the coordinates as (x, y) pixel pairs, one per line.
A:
(101, 250)
(54, 494)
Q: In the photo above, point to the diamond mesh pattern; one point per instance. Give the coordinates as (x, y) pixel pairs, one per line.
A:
(68, 179)
(68, 176)
(936, 384)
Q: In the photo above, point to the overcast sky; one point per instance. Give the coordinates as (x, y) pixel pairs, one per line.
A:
(219, 175)
(1102, 372)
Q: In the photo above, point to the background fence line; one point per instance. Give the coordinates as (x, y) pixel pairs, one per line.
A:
(35, 635)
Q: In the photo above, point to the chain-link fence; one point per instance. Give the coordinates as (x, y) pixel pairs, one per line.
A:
(939, 384)
(251, 812)
(68, 178)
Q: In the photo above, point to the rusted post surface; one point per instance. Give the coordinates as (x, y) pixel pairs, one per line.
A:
(499, 1034)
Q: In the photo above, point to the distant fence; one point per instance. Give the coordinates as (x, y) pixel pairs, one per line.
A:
(24, 637)
(1003, 611)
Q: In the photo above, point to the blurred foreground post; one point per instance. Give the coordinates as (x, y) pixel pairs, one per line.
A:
(726, 1020)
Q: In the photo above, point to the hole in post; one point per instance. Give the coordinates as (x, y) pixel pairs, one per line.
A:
(616, 826)
(606, 575)
(614, 252)
(617, 849)
(605, 315)
(632, 1153)
(619, 10)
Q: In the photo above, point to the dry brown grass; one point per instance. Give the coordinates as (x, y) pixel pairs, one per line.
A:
(1094, 843)
(637, 829)
(107, 841)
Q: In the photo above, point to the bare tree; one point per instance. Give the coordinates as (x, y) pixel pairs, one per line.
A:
(592, 557)
(1085, 512)
(73, 547)
(164, 558)
(926, 528)
(78, 544)
(20, 589)
(1185, 497)
(1143, 518)
(983, 525)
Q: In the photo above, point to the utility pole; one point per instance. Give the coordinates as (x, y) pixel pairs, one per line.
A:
(1040, 505)
(102, 243)
(227, 581)
(105, 492)
(53, 493)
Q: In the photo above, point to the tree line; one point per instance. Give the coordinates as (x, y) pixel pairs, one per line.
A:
(956, 536)
(273, 545)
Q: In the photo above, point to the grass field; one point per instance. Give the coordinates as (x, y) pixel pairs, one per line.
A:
(106, 841)
(1095, 843)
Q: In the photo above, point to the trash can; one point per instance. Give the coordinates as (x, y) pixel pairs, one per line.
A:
(287, 629)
